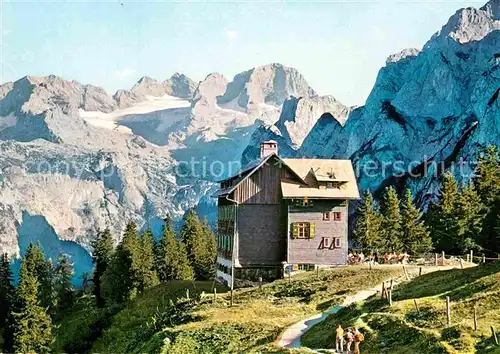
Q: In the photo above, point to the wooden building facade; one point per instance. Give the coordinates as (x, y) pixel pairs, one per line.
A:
(283, 211)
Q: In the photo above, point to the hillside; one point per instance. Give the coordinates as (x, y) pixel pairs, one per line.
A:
(153, 323)
(400, 328)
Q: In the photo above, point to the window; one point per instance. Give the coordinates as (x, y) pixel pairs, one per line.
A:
(306, 267)
(326, 242)
(326, 216)
(304, 230)
(337, 216)
(338, 243)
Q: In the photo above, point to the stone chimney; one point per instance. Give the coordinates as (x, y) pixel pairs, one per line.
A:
(268, 148)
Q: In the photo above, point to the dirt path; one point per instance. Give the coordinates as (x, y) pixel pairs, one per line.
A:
(291, 337)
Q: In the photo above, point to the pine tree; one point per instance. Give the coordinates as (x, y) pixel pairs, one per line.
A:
(32, 326)
(487, 179)
(367, 230)
(144, 267)
(172, 261)
(442, 218)
(183, 269)
(101, 257)
(190, 234)
(487, 183)
(63, 283)
(209, 251)
(200, 245)
(416, 236)
(391, 221)
(6, 289)
(44, 273)
(490, 238)
(119, 283)
(469, 219)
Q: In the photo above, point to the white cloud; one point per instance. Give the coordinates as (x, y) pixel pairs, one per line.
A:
(231, 35)
(126, 73)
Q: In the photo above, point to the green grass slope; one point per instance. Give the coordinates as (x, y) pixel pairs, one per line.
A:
(163, 320)
(400, 328)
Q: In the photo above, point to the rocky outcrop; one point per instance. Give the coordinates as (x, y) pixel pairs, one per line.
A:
(269, 84)
(469, 24)
(405, 53)
(178, 85)
(205, 96)
(297, 119)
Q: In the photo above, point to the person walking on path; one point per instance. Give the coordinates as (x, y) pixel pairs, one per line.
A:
(358, 338)
(350, 339)
(339, 345)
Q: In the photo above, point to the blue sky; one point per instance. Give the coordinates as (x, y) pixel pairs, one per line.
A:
(338, 46)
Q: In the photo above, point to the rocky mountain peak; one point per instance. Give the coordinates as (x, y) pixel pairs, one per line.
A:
(148, 86)
(403, 54)
(268, 84)
(470, 24)
(205, 96)
(299, 116)
(179, 85)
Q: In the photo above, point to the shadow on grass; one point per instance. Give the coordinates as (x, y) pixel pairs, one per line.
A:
(487, 345)
(441, 282)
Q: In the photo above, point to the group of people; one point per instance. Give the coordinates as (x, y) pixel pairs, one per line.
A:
(388, 258)
(356, 258)
(352, 335)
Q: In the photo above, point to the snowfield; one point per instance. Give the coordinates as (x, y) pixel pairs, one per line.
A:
(157, 107)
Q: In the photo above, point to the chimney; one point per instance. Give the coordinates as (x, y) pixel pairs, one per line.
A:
(268, 148)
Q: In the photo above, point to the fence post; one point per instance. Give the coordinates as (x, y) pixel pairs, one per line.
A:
(484, 259)
(471, 256)
(370, 265)
(448, 310)
(187, 294)
(495, 338)
(468, 258)
(416, 306)
(390, 297)
(215, 295)
(420, 271)
(442, 254)
(475, 318)
(406, 273)
(436, 259)
(260, 283)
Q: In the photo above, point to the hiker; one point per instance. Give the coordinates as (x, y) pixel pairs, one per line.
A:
(350, 339)
(358, 338)
(339, 342)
